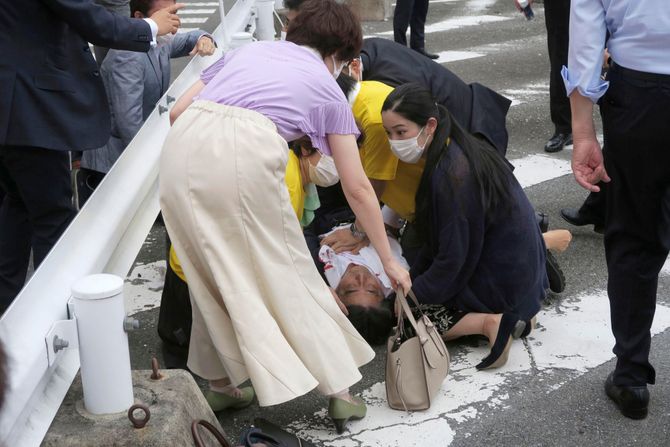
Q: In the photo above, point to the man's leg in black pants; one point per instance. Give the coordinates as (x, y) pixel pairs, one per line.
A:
(417, 25)
(637, 160)
(557, 20)
(401, 17)
(36, 210)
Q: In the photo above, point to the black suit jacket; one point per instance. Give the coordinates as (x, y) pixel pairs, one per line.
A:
(476, 108)
(51, 94)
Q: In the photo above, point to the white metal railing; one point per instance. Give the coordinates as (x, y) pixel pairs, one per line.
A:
(105, 237)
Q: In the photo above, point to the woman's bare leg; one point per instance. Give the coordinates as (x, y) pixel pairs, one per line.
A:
(475, 324)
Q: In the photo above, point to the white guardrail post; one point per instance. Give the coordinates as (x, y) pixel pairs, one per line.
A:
(103, 343)
(108, 232)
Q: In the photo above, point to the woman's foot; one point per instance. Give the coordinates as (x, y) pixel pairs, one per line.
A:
(558, 240)
(229, 397)
(507, 324)
(342, 411)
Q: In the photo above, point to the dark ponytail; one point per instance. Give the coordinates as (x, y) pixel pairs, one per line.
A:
(489, 170)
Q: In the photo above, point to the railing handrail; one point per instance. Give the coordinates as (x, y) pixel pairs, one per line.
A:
(105, 236)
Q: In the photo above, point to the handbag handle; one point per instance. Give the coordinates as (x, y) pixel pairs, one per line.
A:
(424, 336)
(211, 428)
(408, 312)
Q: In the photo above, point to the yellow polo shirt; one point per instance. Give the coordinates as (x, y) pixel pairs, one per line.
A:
(402, 179)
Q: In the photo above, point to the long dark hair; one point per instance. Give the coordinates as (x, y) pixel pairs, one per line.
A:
(489, 170)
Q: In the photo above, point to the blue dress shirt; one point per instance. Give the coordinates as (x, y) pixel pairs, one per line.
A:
(639, 40)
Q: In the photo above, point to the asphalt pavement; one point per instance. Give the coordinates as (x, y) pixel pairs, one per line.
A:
(551, 391)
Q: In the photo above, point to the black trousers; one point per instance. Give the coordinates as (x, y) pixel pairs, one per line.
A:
(636, 112)
(410, 13)
(35, 211)
(557, 20)
(594, 205)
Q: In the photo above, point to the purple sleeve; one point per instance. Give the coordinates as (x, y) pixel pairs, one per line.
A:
(211, 71)
(329, 118)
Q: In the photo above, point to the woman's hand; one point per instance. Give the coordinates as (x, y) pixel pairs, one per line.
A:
(343, 240)
(398, 275)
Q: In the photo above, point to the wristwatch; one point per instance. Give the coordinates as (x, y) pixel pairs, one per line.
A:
(355, 232)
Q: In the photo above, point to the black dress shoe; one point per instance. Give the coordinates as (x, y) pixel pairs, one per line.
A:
(542, 221)
(574, 217)
(554, 274)
(631, 400)
(557, 142)
(428, 55)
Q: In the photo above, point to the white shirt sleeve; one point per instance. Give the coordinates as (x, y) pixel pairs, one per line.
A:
(587, 43)
(154, 31)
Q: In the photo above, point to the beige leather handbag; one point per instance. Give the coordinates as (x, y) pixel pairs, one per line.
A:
(417, 361)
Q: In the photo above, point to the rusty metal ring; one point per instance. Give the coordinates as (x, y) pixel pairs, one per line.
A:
(155, 375)
(197, 440)
(139, 423)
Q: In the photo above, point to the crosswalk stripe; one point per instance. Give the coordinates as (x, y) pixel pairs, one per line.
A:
(191, 11)
(194, 19)
(453, 56)
(534, 169)
(456, 22)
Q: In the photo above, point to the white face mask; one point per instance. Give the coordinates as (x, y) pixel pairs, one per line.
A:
(408, 150)
(337, 69)
(324, 173)
(283, 35)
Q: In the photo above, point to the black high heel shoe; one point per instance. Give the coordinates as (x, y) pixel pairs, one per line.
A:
(524, 328)
(509, 323)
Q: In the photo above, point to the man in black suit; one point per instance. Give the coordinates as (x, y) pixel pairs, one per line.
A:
(412, 14)
(557, 21)
(51, 101)
(477, 108)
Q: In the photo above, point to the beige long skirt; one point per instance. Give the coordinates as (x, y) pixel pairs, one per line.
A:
(260, 308)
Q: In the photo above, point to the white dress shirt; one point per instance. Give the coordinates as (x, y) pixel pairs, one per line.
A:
(335, 264)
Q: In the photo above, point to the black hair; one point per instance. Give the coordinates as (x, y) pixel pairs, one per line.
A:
(293, 4)
(346, 83)
(373, 323)
(489, 169)
(142, 6)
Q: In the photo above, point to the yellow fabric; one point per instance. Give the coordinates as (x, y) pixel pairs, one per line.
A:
(294, 184)
(402, 179)
(175, 265)
(296, 192)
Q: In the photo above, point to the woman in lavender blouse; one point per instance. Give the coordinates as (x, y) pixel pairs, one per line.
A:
(260, 309)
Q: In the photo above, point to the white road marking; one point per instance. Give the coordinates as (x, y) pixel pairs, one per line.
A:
(186, 30)
(534, 169)
(193, 19)
(528, 93)
(143, 287)
(574, 339)
(452, 56)
(193, 11)
(478, 5)
(199, 3)
(457, 22)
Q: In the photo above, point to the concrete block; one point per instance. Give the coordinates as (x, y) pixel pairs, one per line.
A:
(174, 402)
(371, 10)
